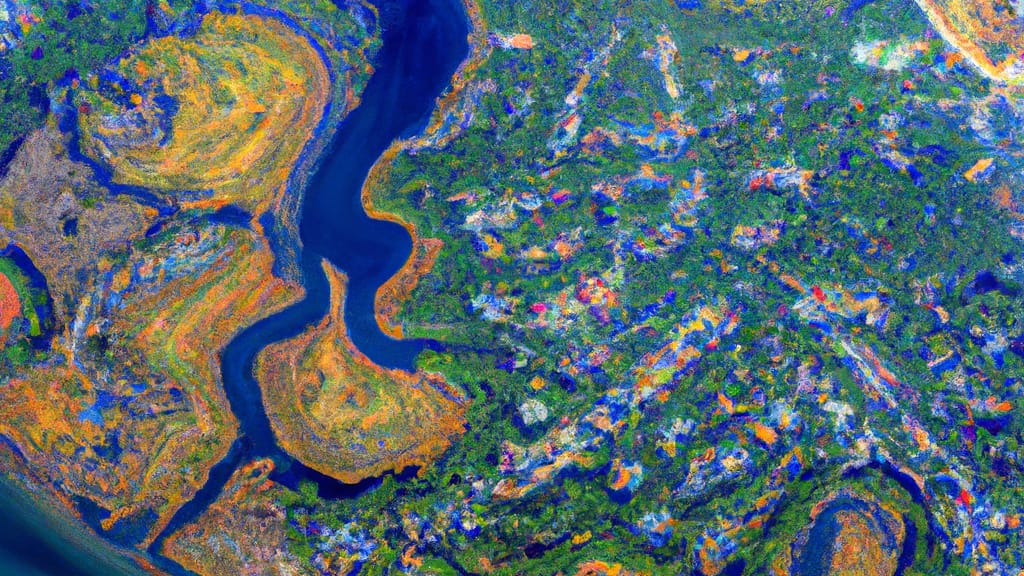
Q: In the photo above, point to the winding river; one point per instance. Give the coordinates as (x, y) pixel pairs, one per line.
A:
(424, 41)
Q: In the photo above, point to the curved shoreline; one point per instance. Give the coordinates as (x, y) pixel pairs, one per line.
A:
(404, 101)
(1004, 72)
(328, 403)
(35, 511)
(400, 285)
(357, 243)
(321, 128)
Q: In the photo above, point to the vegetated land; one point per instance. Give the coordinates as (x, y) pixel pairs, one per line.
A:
(704, 265)
(720, 288)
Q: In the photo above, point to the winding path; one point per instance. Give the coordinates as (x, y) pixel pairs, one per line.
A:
(424, 41)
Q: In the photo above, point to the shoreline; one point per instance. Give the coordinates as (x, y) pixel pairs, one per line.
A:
(973, 53)
(281, 288)
(21, 488)
(400, 285)
(246, 395)
(313, 442)
(286, 210)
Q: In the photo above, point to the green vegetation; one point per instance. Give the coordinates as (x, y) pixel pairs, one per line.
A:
(67, 39)
(28, 297)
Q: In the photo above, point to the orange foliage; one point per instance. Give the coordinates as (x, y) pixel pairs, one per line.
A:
(10, 304)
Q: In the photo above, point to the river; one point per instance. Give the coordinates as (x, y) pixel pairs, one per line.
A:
(424, 41)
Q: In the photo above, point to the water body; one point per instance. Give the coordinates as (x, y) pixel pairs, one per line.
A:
(424, 41)
(815, 558)
(37, 542)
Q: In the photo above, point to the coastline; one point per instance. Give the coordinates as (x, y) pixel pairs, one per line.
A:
(974, 53)
(323, 200)
(35, 509)
(277, 287)
(286, 212)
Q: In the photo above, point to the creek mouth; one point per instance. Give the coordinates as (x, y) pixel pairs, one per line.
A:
(423, 43)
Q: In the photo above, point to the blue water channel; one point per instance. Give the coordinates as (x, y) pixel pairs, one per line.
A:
(423, 43)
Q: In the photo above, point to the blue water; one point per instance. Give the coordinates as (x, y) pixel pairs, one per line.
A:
(423, 43)
(816, 556)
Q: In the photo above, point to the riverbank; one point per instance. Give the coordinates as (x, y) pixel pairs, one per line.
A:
(192, 257)
(37, 538)
(416, 57)
(390, 296)
(338, 412)
(964, 31)
(123, 418)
